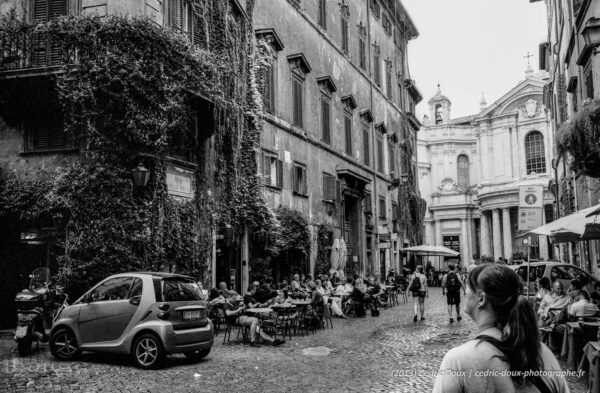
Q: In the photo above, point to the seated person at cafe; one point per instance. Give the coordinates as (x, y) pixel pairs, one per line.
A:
(222, 287)
(583, 307)
(552, 303)
(316, 299)
(297, 291)
(234, 311)
(358, 298)
(250, 300)
(215, 297)
(375, 292)
(335, 279)
(577, 286)
(262, 293)
(327, 284)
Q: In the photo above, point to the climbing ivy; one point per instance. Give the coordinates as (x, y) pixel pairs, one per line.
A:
(127, 94)
(580, 137)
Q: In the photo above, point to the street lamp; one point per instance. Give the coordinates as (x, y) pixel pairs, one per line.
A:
(591, 33)
(404, 178)
(141, 175)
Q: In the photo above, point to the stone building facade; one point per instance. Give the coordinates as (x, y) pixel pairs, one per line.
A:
(471, 168)
(340, 109)
(574, 70)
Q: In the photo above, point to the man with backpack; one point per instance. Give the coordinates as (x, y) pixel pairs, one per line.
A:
(452, 286)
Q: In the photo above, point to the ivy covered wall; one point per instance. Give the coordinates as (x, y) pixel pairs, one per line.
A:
(129, 96)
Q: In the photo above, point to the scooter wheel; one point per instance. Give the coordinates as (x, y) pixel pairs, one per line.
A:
(24, 345)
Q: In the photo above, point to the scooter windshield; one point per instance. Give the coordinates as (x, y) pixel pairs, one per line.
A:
(39, 278)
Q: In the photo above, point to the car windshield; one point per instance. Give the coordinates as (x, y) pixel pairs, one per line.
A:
(180, 291)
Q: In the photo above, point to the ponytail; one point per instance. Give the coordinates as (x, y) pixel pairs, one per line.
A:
(516, 319)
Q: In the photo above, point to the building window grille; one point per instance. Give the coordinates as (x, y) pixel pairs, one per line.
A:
(535, 156)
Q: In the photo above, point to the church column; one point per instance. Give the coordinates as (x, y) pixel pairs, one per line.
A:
(507, 232)
(485, 235)
(496, 233)
(438, 233)
(543, 240)
(428, 233)
(464, 243)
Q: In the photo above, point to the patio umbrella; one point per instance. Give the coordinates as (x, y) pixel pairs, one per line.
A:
(581, 225)
(343, 257)
(335, 256)
(433, 251)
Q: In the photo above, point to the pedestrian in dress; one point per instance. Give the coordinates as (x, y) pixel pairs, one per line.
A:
(418, 288)
(507, 341)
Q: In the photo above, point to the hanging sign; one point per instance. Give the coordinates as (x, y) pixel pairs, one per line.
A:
(531, 196)
(529, 218)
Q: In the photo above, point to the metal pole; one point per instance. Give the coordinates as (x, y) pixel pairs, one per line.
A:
(528, 264)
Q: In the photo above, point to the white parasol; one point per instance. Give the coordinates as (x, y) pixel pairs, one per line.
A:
(335, 256)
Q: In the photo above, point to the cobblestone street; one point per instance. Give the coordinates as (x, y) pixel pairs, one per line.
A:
(364, 354)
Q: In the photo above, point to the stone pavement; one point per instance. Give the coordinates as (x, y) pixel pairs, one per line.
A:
(358, 355)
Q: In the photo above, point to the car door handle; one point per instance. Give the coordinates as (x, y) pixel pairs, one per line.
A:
(135, 300)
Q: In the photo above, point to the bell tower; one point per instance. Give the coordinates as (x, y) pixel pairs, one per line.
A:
(439, 108)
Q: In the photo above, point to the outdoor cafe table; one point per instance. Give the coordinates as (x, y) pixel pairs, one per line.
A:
(591, 358)
(573, 340)
(263, 310)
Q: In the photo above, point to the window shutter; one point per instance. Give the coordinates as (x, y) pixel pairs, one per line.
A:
(271, 86)
(379, 155)
(391, 156)
(366, 152)
(57, 8)
(295, 179)
(325, 113)
(40, 10)
(368, 203)
(280, 173)
(395, 212)
(338, 191)
(176, 14)
(297, 93)
(377, 70)
(266, 172)
(344, 34)
(323, 13)
(303, 184)
(348, 132)
(329, 183)
(199, 38)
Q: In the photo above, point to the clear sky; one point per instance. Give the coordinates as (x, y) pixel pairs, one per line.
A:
(473, 46)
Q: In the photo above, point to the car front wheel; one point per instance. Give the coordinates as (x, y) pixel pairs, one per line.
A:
(63, 344)
(197, 355)
(148, 352)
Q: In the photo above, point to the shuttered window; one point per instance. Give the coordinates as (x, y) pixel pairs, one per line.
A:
(299, 179)
(376, 8)
(366, 146)
(175, 14)
(348, 134)
(297, 102)
(362, 53)
(45, 134)
(329, 190)
(395, 211)
(323, 13)
(382, 208)
(272, 170)
(377, 68)
(326, 120)
(388, 79)
(268, 88)
(344, 34)
(379, 154)
(368, 203)
(44, 10)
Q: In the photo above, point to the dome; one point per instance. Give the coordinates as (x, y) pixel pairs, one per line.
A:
(439, 96)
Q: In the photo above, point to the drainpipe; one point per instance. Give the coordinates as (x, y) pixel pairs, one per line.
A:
(374, 195)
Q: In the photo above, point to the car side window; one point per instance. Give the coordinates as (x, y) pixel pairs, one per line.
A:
(522, 272)
(559, 273)
(136, 288)
(540, 272)
(113, 289)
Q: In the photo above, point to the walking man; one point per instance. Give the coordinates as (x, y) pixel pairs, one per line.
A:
(452, 286)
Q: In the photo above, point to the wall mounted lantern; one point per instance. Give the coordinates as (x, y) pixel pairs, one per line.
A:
(591, 34)
(141, 176)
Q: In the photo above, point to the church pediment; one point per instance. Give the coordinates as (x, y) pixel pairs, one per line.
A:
(518, 100)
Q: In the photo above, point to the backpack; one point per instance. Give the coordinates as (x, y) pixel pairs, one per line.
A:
(452, 282)
(415, 285)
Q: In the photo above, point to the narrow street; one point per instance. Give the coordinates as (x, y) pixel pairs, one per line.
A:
(358, 355)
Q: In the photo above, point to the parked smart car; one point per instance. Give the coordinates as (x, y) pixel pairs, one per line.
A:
(144, 315)
(562, 272)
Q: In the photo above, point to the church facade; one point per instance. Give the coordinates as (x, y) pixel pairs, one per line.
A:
(471, 168)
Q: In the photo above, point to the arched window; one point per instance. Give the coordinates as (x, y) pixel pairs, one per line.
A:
(535, 157)
(438, 114)
(462, 168)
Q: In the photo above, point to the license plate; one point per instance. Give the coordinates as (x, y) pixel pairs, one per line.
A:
(191, 314)
(21, 331)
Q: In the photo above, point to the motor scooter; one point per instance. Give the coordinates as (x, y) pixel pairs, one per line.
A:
(36, 308)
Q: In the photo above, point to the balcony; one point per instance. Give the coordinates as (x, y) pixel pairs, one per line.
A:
(27, 52)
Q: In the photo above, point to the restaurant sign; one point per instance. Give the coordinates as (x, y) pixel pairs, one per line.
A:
(452, 242)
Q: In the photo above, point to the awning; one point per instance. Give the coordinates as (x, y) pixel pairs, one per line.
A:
(581, 225)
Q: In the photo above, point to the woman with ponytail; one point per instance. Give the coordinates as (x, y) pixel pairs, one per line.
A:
(507, 355)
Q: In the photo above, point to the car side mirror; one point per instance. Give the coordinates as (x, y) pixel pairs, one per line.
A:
(135, 300)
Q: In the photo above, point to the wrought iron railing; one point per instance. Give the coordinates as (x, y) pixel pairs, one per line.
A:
(30, 49)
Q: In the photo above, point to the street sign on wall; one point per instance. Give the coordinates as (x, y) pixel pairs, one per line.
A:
(531, 196)
(529, 218)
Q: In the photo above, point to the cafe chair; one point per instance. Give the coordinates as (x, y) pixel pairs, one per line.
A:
(244, 330)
